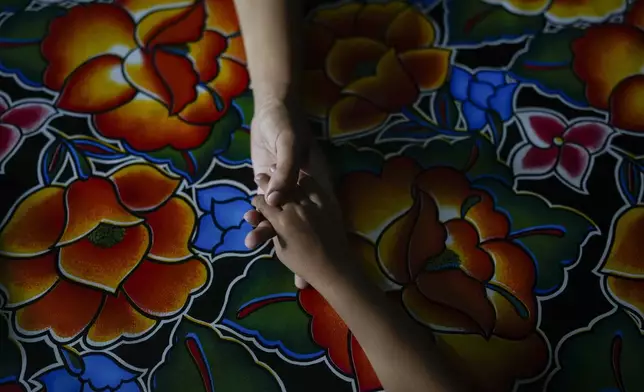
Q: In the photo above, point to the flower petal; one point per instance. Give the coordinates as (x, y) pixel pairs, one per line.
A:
(25, 280)
(513, 282)
(81, 305)
(455, 289)
(139, 70)
(235, 49)
(475, 118)
(90, 202)
(410, 30)
(36, 224)
(170, 241)
(209, 236)
(373, 19)
(624, 259)
(353, 58)
(428, 67)
(327, 329)
(9, 138)
(479, 93)
(438, 317)
(96, 86)
(353, 115)
(146, 126)
(222, 17)
(448, 187)
(540, 128)
(591, 12)
(230, 214)
(29, 117)
(532, 161)
(232, 80)
(118, 318)
(390, 89)
(365, 375)
(361, 195)
(340, 20)
(366, 254)
(489, 222)
(635, 15)
(495, 78)
(104, 267)
(503, 101)
(219, 193)
(460, 83)
(320, 93)
(205, 110)
(172, 26)
(162, 289)
(81, 34)
(462, 239)
(140, 8)
(622, 56)
(574, 165)
(142, 187)
(627, 103)
(591, 135)
(233, 240)
(629, 292)
(204, 52)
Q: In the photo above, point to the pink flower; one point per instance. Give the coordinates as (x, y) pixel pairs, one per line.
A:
(554, 147)
(18, 121)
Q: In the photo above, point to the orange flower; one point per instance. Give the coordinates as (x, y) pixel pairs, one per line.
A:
(622, 267)
(565, 11)
(153, 74)
(444, 248)
(100, 252)
(366, 61)
(609, 58)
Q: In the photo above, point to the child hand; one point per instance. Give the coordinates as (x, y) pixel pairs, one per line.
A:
(311, 239)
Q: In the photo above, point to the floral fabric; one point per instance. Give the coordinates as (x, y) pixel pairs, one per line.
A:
(487, 155)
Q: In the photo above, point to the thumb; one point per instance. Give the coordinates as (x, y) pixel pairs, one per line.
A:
(286, 172)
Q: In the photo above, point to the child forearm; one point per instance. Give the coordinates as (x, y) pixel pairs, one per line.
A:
(402, 353)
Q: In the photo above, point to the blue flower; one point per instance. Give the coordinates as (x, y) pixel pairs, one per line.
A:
(222, 228)
(481, 93)
(90, 372)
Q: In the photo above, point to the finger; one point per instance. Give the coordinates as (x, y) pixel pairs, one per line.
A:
(253, 217)
(259, 235)
(300, 283)
(312, 189)
(262, 180)
(288, 165)
(269, 212)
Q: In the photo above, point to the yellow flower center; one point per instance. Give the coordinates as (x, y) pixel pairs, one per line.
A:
(558, 141)
(106, 235)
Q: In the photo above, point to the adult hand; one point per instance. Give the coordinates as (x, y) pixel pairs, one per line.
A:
(280, 138)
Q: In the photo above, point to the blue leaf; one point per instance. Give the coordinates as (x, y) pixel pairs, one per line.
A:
(503, 100)
(209, 236)
(231, 213)
(460, 83)
(495, 78)
(479, 93)
(474, 117)
(219, 194)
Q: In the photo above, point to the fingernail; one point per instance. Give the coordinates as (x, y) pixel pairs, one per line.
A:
(272, 169)
(258, 177)
(273, 198)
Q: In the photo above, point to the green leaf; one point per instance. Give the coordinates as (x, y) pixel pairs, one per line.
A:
(474, 22)
(10, 358)
(246, 106)
(264, 305)
(53, 160)
(547, 62)
(552, 234)
(195, 164)
(238, 152)
(20, 38)
(201, 359)
(606, 357)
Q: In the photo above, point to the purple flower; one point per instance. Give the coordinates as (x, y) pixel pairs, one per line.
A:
(480, 94)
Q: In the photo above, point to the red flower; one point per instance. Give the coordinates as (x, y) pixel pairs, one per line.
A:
(152, 76)
(16, 122)
(554, 147)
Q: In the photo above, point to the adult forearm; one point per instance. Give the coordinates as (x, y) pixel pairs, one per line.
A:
(270, 29)
(401, 352)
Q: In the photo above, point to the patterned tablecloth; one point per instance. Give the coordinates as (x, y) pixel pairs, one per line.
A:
(486, 158)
